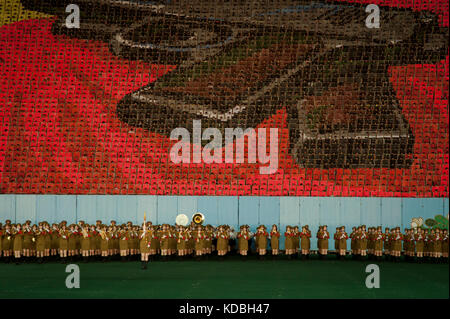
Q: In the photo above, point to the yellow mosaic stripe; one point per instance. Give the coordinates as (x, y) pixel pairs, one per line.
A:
(13, 11)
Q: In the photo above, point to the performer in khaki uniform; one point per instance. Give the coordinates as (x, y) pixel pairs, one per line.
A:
(47, 239)
(85, 242)
(305, 237)
(406, 249)
(154, 243)
(420, 242)
(7, 242)
(104, 242)
(275, 240)
(397, 244)
(199, 237)
(123, 242)
(342, 245)
(378, 243)
(164, 241)
(336, 241)
(27, 241)
(323, 236)
(172, 241)
(243, 238)
(353, 243)
(289, 242)
(445, 246)
(40, 243)
(437, 247)
(427, 243)
(319, 241)
(261, 238)
(386, 243)
(144, 244)
(17, 242)
(296, 241)
(222, 242)
(362, 245)
(63, 241)
(412, 245)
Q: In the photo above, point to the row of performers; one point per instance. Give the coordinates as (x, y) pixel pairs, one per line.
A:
(128, 241)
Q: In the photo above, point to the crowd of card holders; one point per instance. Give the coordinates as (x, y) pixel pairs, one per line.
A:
(346, 132)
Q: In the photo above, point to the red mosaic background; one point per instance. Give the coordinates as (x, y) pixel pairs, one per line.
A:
(60, 133)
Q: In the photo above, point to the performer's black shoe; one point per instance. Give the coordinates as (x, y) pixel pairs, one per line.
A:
(303, 257)
(17, 261)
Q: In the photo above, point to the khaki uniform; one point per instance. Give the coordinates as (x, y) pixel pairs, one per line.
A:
(182, 240)
(445, 244)
(123, 240)
(47, 240)
(420, 243)
(7, 241)
(85, 240)
(165, 239)
(28, 240)
(54, 239)
(199, 239)
(104, 241)
(18, 241)
(275, 240)
(208, 239)
(378, 242)
(63, 240)
(342, 241)
(144, 242)
(261, 239)
(353, 241)
(296, 240)
(289, 240)
(154, 244)
(322, 242)
(397, 242)
(40, 241)
(72, 241)
(387, 242)
(173, 240)
(363, 240)
(411, 244)
(222, 241)
(437, 243)
(305, 240)
(243, 239)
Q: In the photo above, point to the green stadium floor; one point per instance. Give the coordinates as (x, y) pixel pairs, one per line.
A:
(231, 278)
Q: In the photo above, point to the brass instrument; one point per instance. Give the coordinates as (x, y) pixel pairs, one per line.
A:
(103, 234)
(198, 218)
